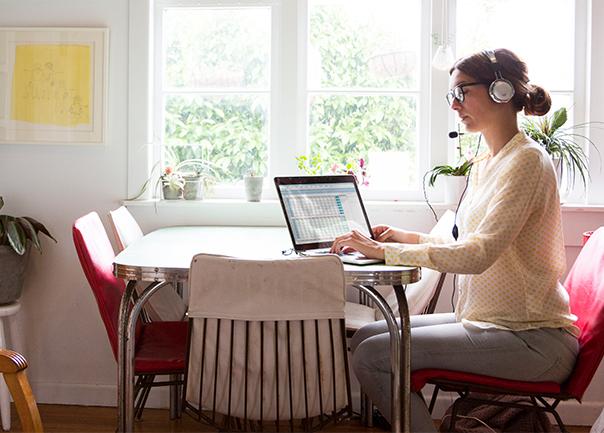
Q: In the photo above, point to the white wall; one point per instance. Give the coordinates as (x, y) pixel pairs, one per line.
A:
(65, 341)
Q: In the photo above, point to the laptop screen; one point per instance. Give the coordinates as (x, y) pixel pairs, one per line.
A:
(320, 208)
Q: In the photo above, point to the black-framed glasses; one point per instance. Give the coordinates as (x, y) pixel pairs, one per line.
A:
(457, 93)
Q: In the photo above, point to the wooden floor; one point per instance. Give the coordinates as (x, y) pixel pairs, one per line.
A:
(61, 418)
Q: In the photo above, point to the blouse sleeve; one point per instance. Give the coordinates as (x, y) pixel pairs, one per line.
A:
(507, 211)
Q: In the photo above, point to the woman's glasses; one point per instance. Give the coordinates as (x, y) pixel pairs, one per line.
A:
(457, 93)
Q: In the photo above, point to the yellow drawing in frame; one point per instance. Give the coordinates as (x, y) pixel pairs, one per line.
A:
(52, 84)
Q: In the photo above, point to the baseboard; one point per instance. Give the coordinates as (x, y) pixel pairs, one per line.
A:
(90, 395)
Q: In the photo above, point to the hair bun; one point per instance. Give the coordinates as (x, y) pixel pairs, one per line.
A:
(538, 101)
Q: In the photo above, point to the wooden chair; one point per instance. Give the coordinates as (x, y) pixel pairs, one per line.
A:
(164, 305)
(267, 347)
(585, 286)
(12, 366)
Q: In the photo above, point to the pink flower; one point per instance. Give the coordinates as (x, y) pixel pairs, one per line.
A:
(168, 170)
(335, 168)
(361, 163)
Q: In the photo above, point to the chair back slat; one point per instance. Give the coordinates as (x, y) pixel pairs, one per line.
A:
(585, 285)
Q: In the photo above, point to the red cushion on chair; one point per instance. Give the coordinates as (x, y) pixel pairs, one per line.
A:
(420, 377)
(585, 285)
(161, 348)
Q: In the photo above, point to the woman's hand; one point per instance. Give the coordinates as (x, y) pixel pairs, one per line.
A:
(385, 233)
(359, 242)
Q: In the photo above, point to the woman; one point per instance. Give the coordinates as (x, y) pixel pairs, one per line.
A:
(512, 318)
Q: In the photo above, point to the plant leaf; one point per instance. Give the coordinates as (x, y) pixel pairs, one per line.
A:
(1, 203)
(16, 237)
(39, 227)
(30, 232)
(558, 119)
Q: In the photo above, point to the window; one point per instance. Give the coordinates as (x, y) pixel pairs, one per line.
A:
(363, 88)
(252, 85)
(549, 50)
(214, 87)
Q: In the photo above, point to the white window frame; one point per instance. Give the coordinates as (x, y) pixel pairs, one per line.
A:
(288, 127)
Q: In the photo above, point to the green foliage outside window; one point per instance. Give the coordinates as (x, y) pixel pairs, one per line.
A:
(231, 131)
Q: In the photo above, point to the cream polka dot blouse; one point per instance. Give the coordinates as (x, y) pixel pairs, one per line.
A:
(510, 251)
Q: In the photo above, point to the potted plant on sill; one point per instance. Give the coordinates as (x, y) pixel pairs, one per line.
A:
(455, 179)
(253, 186)
(172, 184)
(180, 183)
(562, 144)
(17, 234)
(198, 174)
(315, 166)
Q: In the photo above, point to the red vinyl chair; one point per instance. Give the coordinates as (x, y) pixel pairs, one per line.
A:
(160, 346)
(585, 285)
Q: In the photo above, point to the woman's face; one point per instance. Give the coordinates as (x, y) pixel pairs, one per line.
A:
(478, 110)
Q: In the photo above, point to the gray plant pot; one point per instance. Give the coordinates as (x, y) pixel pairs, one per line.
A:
(171, 193)
(253, 187)
(192, 189)
(12, 273)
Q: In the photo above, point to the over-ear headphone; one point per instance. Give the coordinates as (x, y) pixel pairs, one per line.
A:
(500, 90)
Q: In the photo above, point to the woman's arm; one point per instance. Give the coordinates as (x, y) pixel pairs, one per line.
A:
(385, 233)
(507, 212)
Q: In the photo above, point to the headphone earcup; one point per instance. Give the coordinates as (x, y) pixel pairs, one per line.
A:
(501, 91)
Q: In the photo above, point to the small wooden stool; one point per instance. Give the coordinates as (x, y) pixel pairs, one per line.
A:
(5, 312)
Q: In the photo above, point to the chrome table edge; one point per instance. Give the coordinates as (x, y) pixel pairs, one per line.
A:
(141, 273)
(383, 278)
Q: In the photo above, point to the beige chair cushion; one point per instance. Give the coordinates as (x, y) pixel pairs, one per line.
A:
(236, 308)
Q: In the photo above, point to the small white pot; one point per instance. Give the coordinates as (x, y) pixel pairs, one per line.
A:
(454, 186)
(253, 187)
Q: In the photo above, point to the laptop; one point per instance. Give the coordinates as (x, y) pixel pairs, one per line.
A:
(317, 209)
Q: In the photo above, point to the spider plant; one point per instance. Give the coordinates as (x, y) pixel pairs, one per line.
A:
(562, 143)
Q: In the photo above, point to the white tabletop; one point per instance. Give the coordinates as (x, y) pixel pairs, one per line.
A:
(166, 254)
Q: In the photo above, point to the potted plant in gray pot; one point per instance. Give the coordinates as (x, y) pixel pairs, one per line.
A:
(198, 174)
(563, 144)
(17, 234)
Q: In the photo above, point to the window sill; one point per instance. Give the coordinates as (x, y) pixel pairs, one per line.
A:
(268, 212)
(370, 204)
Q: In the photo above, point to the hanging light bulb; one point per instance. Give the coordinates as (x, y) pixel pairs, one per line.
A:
(443, 58)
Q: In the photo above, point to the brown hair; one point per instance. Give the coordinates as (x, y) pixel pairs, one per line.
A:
(535, 100)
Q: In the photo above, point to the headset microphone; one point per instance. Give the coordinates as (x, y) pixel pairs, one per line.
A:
(455, 134)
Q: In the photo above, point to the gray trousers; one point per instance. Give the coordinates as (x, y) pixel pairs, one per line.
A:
(438, 341)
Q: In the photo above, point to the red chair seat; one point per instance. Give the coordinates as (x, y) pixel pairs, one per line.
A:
(420, 377)
(161, 347)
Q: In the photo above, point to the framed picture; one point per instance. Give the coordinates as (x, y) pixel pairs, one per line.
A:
(53, 85)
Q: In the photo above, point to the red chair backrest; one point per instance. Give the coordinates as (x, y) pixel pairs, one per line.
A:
(585, 285)
(96, 257)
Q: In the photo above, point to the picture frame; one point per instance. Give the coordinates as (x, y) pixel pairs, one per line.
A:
(53, 84)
